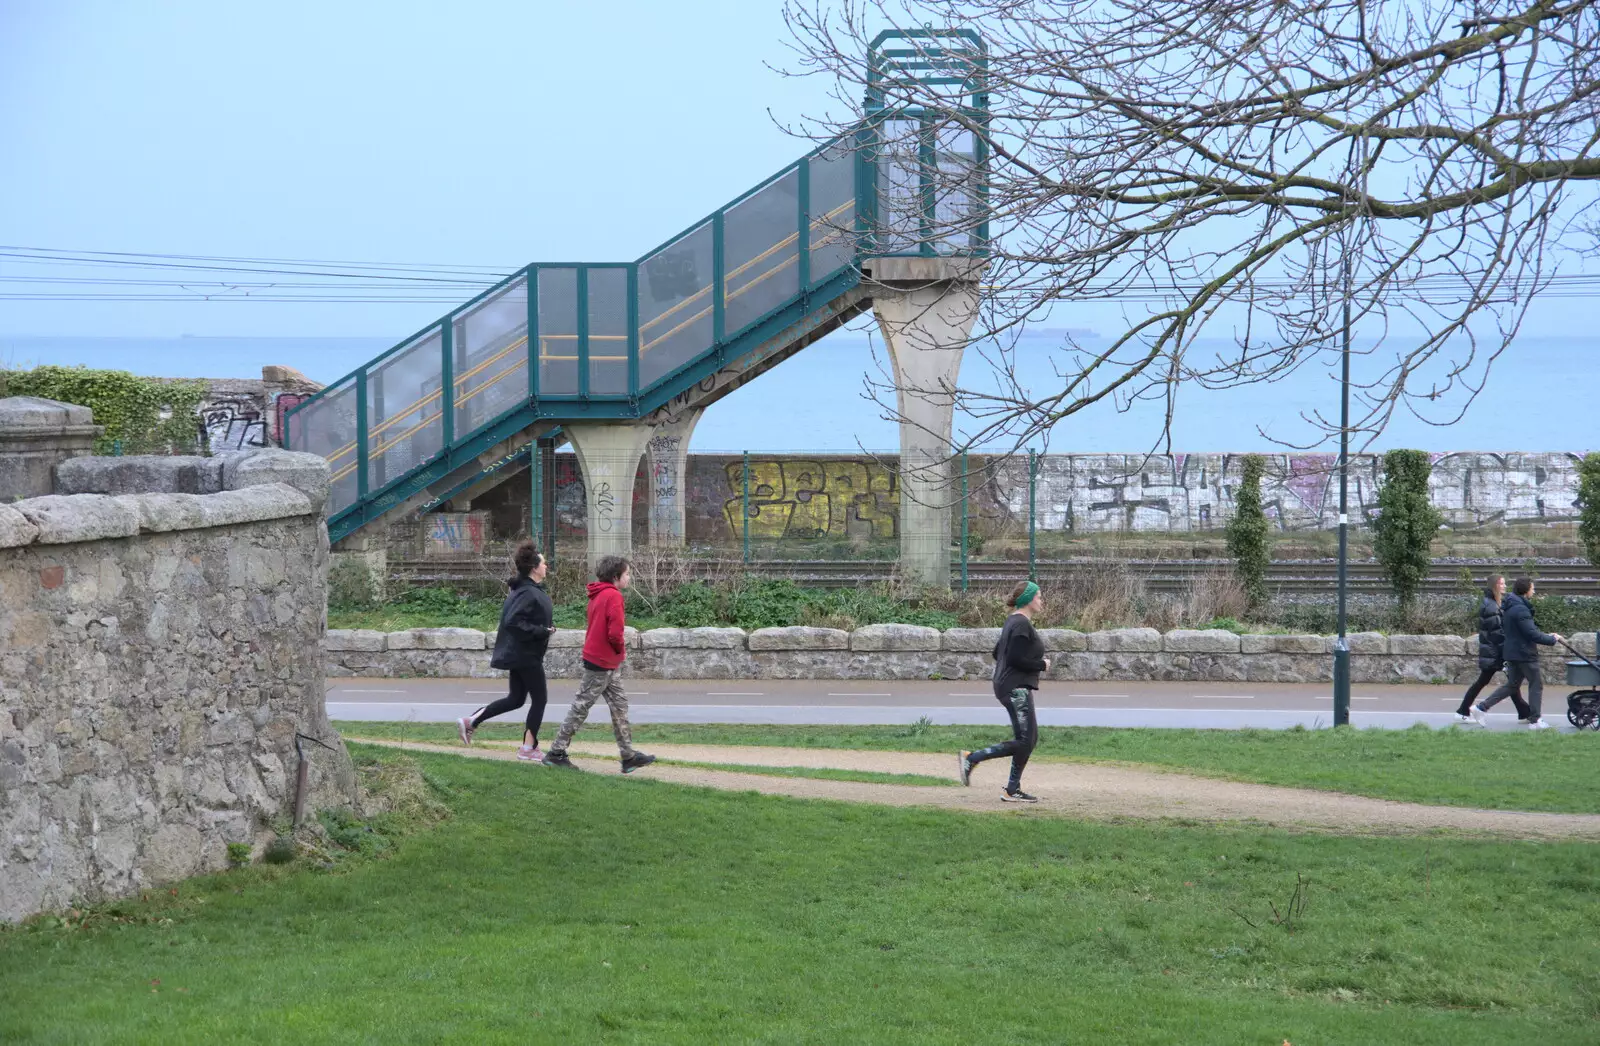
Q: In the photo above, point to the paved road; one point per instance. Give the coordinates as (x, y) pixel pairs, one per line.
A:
(1207, 705)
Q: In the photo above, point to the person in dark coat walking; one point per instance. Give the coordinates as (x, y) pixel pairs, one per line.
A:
(1491, 637)
(1521, 652)
(1018, 661)
(526, 624)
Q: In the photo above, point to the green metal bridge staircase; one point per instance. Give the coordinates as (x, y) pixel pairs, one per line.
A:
(720, 303)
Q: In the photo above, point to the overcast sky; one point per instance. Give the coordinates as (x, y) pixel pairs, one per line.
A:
(475, 133)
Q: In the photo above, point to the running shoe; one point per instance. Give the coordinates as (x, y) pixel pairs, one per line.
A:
(1466, 720)
(1019, 796)
(964, 766)
(1538, 724)
(529, 755)
(464, 727)
(636, 761)
(1479, 715)
(554, 758)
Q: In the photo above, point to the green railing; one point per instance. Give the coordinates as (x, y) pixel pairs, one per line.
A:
(566, 338)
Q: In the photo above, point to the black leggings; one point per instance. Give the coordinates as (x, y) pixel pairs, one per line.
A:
(526, 684)
(1485, 677)
(1024, 735)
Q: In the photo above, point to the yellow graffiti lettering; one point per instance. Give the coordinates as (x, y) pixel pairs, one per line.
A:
(810, 498)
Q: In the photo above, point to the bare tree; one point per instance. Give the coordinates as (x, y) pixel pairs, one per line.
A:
(1214, 167)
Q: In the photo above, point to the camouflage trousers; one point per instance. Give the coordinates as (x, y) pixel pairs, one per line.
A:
(593, 687)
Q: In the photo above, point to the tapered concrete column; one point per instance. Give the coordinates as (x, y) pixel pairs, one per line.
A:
(925, 308)
(668, 452)
(609, 456)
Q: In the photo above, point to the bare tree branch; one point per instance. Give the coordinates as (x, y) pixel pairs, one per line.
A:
(1222, 161)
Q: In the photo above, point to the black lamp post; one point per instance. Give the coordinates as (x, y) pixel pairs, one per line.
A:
(1341, 646)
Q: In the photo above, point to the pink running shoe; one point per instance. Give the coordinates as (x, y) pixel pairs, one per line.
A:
(529, 755)
(464, 728)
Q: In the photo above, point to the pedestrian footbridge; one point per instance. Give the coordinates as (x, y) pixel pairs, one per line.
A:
(607, 354)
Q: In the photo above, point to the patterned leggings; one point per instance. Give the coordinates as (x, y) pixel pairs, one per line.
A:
(1024, 735)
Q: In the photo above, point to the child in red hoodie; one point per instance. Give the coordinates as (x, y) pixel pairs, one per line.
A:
(603, 653)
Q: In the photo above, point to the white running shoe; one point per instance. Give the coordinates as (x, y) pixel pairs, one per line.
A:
(1466, 720)
(464, 728)
(1479, 716)
(1538, 724)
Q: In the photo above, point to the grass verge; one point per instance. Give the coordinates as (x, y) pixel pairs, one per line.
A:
(1500, 771)
(598, 908)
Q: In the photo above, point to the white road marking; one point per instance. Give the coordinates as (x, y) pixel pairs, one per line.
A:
(1223, 697)
(860, 695)
(1363, 698)
(1098, 695)
(723, 693)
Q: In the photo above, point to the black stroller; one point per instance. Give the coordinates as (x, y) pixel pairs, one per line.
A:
(1583, 706)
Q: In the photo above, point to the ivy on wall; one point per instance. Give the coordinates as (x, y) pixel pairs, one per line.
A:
(140, 415)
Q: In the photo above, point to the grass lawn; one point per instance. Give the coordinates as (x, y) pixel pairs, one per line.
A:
(597, 908)
(1493, 770)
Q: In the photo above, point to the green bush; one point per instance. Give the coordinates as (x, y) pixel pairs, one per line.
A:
(694, 605)
(1407, 523)
(1589, 506)
(140, 415)
(281, 850)
(238, 855)
(1248, 532)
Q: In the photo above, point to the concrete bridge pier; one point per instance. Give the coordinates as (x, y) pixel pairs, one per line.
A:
(668, 451)
(608, 454)
(926, 308)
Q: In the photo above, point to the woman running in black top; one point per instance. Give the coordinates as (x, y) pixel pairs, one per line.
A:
(526, 624)
(1018, 661)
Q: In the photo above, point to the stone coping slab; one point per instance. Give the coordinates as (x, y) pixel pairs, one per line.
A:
(63, 519)
(901, 638)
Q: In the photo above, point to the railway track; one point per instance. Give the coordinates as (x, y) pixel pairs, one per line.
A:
(1289, 577)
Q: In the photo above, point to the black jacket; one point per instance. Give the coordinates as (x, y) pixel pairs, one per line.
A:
(1018, 656)
(1491, 634)
(525, 626)
(1522, 634)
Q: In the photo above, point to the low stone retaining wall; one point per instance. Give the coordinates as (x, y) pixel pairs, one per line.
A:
(916, 652)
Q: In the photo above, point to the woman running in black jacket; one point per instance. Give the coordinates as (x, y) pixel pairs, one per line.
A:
(1018, 661)
(526, 623)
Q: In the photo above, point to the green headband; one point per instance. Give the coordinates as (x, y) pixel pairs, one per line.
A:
(1029, 591)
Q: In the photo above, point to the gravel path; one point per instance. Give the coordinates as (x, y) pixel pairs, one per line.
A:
(1078, 790)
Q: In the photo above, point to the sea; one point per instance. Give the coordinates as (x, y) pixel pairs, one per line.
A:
(1540, 395)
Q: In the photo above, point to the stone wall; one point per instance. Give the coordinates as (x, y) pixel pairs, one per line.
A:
(916, 652)
(248, 413)
(158, 654)
(857, 498)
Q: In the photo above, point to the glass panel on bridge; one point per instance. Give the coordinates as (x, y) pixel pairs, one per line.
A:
(760, 236)
(404, 409)
(675, 313)
(608, 331)
(957, 214)
(558, 332)
(327, 426)
(899, 188)
(491, 358)
(833, 211)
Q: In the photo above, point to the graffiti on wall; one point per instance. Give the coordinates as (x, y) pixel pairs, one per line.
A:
(858, 498)
(1183, 492)
(454, 533)
(810, 498)
(233, 423)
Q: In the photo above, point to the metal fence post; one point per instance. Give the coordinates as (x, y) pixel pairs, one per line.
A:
(1033, 543)
(745, 500)
(535, 496)
(963, 521)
